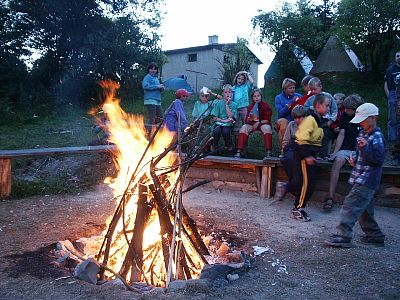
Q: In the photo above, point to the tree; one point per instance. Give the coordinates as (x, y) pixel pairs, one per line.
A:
(83, 41)
(369, 27)
(303, 25)
(236, 58)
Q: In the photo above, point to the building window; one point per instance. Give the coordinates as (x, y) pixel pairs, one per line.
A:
(192, 57)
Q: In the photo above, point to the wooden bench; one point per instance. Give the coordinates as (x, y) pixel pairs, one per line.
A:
(263, 170)
(6, 157)
(263, 173)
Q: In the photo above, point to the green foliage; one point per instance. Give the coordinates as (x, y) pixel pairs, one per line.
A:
(369, 27)
(303, 25)
(79, 42)
(236, 59)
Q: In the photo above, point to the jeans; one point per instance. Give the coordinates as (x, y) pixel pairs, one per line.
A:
(154, 113)
(225, 131)
(393, 124)
(359, 206)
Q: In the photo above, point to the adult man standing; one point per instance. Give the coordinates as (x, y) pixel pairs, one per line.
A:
(390, 90)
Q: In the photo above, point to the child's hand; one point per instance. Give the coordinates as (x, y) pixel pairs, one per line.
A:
(361, 142)
(351, 160)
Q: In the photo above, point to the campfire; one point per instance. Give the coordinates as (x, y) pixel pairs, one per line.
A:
(150, 238)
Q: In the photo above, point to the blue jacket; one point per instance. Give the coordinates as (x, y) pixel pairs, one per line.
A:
(150, 87)
(281, 108)
(171, 117)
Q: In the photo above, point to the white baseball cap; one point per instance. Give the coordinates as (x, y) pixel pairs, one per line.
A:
(364, 111)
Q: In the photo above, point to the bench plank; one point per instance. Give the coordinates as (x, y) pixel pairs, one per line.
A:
(55, 151)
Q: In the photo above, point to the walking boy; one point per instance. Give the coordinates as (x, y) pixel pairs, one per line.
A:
(308, 144)
(365, 177)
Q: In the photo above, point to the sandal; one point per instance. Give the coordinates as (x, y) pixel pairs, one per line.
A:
(328, 204)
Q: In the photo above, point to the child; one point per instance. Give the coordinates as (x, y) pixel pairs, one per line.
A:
(339, 99)
(224, 115)
(283, 104)
(203, 106)
(328, 119)
(307, 92)
(345, 144)
(175, 118)
(289, 146)
(242, 84)
(308, 143)
(365, 178)
(258, 119)
(152, 89)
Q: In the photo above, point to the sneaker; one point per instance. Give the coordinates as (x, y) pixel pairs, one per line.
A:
(338, 241)
(328, 204)
(280, 190)
(300, 214)
(373, 240)
(237, 155)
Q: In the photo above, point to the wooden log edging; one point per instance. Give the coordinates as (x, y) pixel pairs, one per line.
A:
(261, 174)
(6, 157)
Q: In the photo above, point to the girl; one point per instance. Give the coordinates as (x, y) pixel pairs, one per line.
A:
(258, 118)
(242, 84)
(203, 106)
(152, 89)
(224, 115)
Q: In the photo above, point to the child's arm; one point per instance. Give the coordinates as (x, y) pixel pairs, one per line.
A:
(150, 83)
(375, 150)
(282, 109)
(251, 80)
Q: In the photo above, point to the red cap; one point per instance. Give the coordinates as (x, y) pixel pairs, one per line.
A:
(181, 93)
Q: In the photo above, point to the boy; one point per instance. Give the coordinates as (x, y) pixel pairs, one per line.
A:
(175, 118)
(288, 148)
(365, 177)
(308, 143)
(328, 119)
(345, 144)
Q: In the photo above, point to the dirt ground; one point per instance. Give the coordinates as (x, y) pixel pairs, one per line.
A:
(298, 266)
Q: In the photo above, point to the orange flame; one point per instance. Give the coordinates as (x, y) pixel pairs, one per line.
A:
(128, 133)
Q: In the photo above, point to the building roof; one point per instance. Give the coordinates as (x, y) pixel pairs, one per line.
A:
(334, 57)
(209, 47)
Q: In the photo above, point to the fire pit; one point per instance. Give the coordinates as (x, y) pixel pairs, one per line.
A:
(150, 237)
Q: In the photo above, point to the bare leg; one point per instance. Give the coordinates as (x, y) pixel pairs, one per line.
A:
(337, 165)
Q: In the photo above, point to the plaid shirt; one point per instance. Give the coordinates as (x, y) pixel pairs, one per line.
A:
(369, 160)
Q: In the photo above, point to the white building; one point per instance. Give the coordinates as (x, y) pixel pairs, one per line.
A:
(202, 65)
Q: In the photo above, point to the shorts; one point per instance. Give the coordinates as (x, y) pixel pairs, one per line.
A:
(345, 154)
